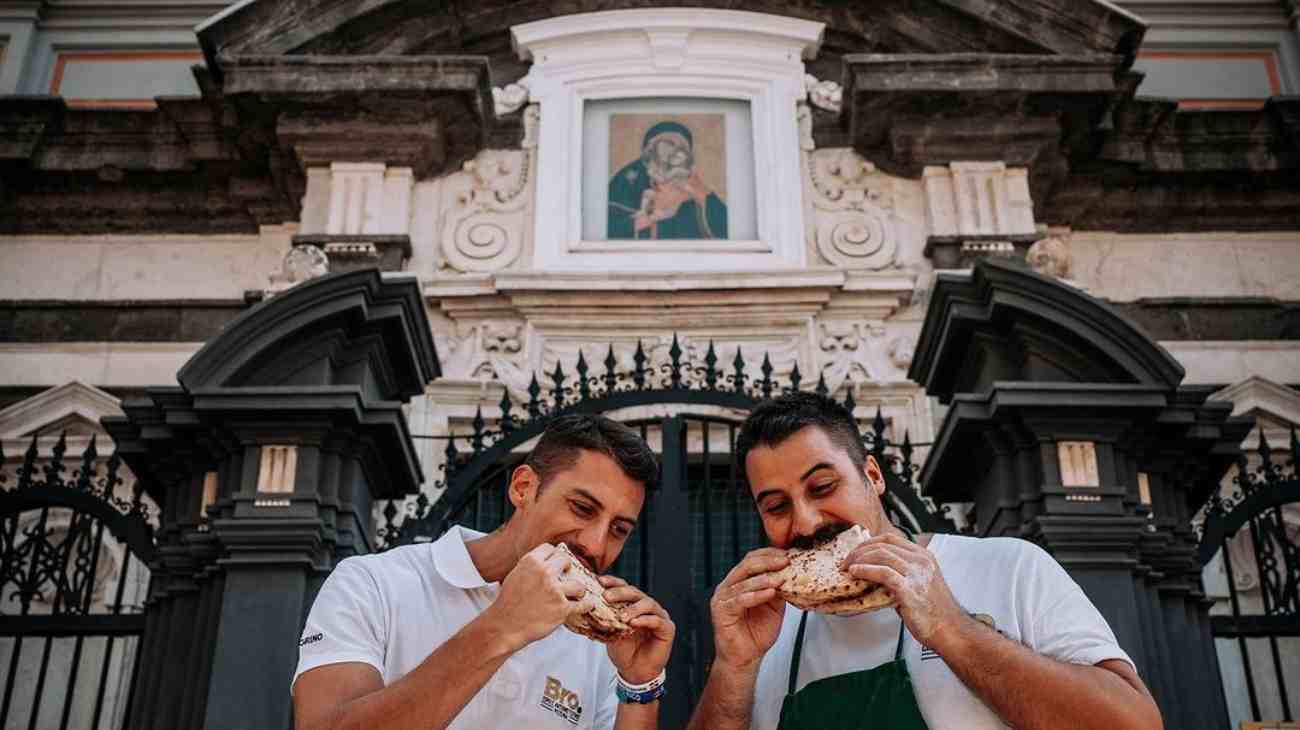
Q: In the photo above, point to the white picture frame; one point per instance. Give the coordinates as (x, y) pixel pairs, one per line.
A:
(672, 54)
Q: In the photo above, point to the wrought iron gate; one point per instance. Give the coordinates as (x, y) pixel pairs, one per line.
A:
(701, 516)
(1263, 516)
(73, 580)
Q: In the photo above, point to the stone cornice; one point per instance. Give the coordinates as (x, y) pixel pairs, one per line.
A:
(235, 158)
(1257, 396)
(908, 111)
(1099, 158)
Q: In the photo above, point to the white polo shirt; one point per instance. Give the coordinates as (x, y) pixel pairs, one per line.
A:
(392, 610)
(1013, 584)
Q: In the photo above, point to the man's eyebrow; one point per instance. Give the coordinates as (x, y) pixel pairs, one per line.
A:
(766, 493)
(815, 467)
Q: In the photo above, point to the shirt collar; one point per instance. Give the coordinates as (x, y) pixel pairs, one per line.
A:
(452, 561)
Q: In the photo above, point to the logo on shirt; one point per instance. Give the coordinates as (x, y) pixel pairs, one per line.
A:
(310, 640)
(561, 701)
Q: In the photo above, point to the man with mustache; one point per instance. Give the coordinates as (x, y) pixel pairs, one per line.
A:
(986, 633)
(661, 195)
(464, 632)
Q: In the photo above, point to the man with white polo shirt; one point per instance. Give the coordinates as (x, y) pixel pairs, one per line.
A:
(985, 634)
(465, 632)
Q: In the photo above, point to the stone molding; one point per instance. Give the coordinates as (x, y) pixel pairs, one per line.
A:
(1275, 407)
(73, 407)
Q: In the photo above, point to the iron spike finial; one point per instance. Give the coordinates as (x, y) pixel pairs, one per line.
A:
(639, 360)
(557, 390)
(611, 371)
(584, 387)
(738, 376)
(710, 368)
(507, 419)
(534, 398)
(765, 385)
(675, 364)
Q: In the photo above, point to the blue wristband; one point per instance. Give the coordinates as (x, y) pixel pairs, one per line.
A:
(627, 696)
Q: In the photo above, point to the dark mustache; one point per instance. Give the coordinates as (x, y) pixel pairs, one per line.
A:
(821, 535)
(582, 555)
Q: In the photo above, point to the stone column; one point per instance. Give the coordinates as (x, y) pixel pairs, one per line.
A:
(1067, 426)
(266, 461)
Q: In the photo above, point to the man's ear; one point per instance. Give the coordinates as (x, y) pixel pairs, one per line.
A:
(524, 482)
(875, 477)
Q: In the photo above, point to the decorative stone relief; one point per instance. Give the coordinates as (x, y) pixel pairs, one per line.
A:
(852, 206)
(367, 197)
(511, 97)
(1050, 257)
(978, 199)
(826, 95)
(485, 227)
(488, 350)
(901, 351)
(302, 263)
(862, 352)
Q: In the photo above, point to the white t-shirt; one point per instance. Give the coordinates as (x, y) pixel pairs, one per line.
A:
(392, 610)
(1019, 587)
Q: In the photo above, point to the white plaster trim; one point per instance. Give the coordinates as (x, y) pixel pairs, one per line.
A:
(677, 53)
(538, 37)
(1260, 395)
(668, 280)
(25, 417)
(106, 364)
(1218, 362)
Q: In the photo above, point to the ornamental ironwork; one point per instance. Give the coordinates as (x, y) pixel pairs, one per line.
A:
(681, 381)
(54, 594)
(1268, 609)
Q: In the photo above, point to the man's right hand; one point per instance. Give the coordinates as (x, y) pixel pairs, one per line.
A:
(747, 612)
(535, 598)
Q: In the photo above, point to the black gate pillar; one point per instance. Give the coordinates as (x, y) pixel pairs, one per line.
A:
(1067, 426)
(266, 460)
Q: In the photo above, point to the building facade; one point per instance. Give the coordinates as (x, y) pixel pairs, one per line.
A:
(166, 168)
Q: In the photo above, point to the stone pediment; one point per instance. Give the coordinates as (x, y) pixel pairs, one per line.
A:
(1275, 408)
(74, 407)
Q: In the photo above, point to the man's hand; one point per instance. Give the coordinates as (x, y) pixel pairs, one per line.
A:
(746, 610)
(640, 656)
(534, 598)
(911, 573)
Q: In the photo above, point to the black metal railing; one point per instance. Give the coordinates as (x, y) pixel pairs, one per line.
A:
(1259, 624)
(70, 547)
(475, 460)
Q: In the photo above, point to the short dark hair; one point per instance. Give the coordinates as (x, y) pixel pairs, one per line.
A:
(567, 436)
(776, 420)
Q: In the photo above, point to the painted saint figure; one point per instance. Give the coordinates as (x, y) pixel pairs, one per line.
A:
(661, 195)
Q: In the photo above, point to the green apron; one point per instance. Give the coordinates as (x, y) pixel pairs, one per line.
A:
(872, 698)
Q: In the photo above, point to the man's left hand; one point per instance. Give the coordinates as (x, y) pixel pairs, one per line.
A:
(640, 656)
(911, 573)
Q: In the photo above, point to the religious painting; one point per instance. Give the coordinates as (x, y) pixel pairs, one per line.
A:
(668, 173)
(667, 177)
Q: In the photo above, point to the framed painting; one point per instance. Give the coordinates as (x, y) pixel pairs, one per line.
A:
(657, 171)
